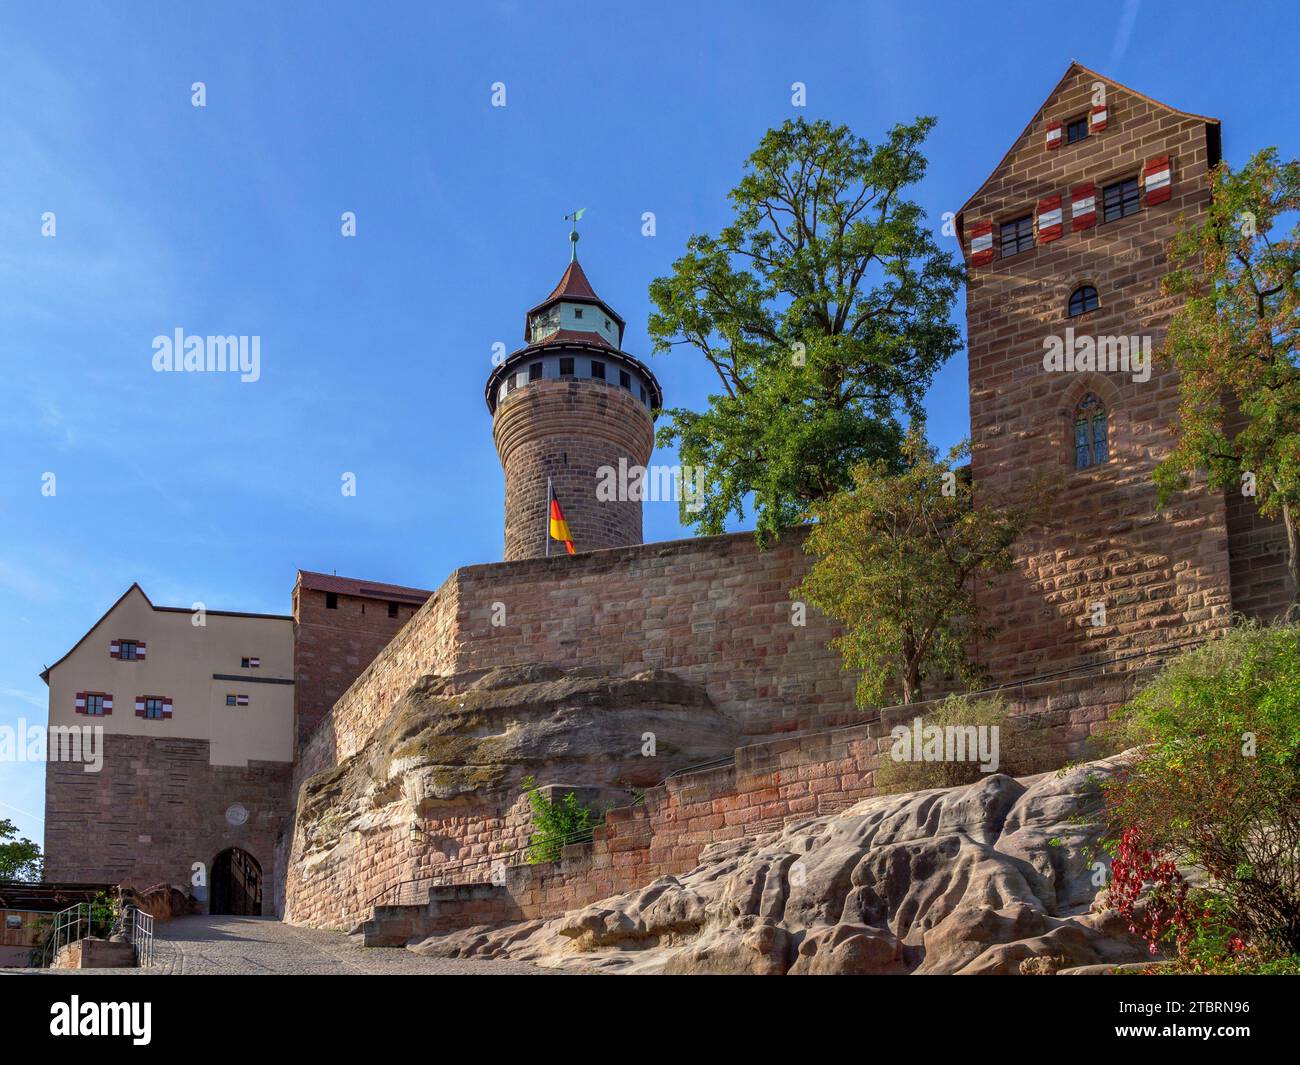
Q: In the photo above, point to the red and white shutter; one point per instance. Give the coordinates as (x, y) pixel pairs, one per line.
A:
(139, 650)
(1097, 119)
(80, 704)
(1055, 136)
(1049, 219)
(167, 708)
(1157, 180)
(981, 244)
(139, 706)
(254, 663)
(108, 704)
(114, 649)
(1083, 206)
(241, 700)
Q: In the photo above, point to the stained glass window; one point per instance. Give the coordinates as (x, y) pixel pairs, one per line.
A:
(1091, 446)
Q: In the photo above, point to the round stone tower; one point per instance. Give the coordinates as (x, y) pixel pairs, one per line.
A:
(573, 409)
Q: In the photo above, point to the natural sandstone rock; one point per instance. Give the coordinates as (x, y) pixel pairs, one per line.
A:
(994, 877)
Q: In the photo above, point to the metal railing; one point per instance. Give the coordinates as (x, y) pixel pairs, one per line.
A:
(138, 928)
(84, 919)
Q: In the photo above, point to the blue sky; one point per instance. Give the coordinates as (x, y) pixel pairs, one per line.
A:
(225, 220)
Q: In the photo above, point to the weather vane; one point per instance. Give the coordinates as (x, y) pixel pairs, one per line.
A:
(573, 236)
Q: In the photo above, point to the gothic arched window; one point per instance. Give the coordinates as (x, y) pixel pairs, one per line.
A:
(1090, 447)
(1082, 300)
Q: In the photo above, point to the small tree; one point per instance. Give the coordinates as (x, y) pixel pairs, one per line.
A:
(21, 858)
(1234, 343)
(823, 308)
(555, 824)
(897, 558)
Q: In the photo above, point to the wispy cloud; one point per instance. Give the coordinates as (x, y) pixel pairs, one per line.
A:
(1123, 33)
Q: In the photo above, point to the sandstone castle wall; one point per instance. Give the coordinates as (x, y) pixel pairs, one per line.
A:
(780, 780)
(154, 809)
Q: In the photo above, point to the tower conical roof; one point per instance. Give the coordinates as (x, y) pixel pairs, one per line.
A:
(574, 288)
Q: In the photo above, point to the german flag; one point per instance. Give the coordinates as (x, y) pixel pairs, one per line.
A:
(560, 527)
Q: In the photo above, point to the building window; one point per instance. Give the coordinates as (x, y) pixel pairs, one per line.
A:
(1120, 200)
(566, 367)
(643, 397)
(1017, 236)
(94, 704)
(331, 600)
(597, 370)
(153, 707)
(606, 323)
(1076, 129)
(126, 650)
(392, 610)
(625, 379)
(1090, 443)
(577, 312)
(535, 372)
(251, 662)
(230, 700)
(1082, 300)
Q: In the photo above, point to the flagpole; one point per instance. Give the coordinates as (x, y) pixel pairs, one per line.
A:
(547, 517)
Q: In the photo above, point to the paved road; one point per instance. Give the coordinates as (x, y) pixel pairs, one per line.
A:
(198, 946)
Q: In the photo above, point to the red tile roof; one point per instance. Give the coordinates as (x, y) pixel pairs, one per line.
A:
(328, 582)
(573, 283)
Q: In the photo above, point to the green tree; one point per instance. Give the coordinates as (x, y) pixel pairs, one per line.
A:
(823, 308)
(1234, 343)
(897, 560)
(555, 824)
(20, 858)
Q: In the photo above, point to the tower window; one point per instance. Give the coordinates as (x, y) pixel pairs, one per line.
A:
(331, 600)
(643, 397)
(625, 379)
(1120, 200)
(1082, 300)
(1090, 442)
(577, 312)
(535, 372)
(598, 370)
(566, 367)
(606, 323)
(1076, 129)
(1017, 235)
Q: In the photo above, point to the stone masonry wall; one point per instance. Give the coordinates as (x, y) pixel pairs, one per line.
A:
(1163, 576)
(806, 775)
(155, 808)
(565, 431)
(332, 647)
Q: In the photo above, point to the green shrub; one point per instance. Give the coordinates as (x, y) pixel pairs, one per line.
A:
(956, 711)
(555, 824)
(1216, 786)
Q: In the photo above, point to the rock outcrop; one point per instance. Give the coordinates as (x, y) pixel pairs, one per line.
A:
(1001, 876)
(452, 756)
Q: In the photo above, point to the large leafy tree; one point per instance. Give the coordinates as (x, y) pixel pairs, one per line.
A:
(1234, 343)
(20, 858)
(823, 308)
(898, 557)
